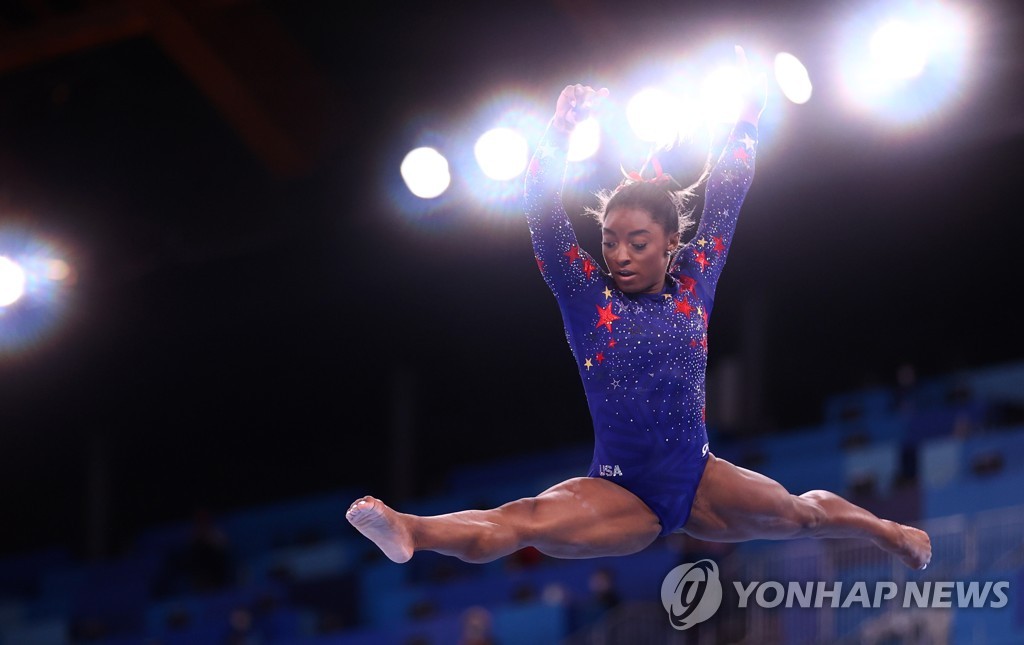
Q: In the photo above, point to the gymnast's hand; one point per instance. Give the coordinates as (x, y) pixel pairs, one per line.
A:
(574, 105)
(754, 89)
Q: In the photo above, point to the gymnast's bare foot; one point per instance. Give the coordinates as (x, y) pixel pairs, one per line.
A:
(920, 547)
(377, 521)
(913, 546)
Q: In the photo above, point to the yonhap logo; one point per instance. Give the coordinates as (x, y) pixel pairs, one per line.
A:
(691, 593)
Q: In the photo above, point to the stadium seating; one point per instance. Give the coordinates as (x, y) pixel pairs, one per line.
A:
(304, 577)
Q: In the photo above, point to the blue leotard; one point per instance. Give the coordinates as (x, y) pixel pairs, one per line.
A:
(642, 357)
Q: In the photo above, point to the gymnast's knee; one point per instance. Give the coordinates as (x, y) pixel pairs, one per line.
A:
(506, 530)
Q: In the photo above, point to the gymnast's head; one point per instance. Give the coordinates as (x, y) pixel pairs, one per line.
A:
(641, 224)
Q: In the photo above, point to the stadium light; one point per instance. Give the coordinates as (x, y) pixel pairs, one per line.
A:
(792, 78)
(425, 172)
(905, 65)
(502, 153)
(12, 282)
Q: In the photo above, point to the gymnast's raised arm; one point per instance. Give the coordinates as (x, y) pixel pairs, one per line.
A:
(704, 256)
(558, 255)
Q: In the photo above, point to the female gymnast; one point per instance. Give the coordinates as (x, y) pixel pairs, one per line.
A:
(639, 337)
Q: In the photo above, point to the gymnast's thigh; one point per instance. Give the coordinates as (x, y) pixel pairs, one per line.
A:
(734, 504)
(589, 517)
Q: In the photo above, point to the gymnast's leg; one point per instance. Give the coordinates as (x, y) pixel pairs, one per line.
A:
(584, 517)
(734, 504)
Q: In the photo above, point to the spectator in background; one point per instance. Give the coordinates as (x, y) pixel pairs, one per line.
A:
(906, 384)
(604, 596)
(208, 555)
(203, 563)
(476, 627)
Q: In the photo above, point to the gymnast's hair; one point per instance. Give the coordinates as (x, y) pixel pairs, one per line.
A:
(669, 205)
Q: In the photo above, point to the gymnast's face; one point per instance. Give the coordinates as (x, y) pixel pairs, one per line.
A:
(636, 250)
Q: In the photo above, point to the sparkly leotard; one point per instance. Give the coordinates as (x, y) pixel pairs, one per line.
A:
(642, 357)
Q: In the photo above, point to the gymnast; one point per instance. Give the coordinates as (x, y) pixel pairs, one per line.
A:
(638, 333)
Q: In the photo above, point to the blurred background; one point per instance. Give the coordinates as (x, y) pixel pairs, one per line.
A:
(228, 308)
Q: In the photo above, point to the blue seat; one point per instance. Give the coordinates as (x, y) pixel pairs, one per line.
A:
(811, 472)
(792, 444)
(1007, 443)
(940, 461)
(13, 611)
(53, 631)
(20, 574)
(997, 383)
(201, 610)
(946, 420)
(530, 623)
(866, 403)
(975, 494)
(255, 530)
(879, 462)
(303, 562)
(115, 593)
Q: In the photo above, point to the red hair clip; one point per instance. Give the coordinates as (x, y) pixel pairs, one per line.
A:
(660, 178)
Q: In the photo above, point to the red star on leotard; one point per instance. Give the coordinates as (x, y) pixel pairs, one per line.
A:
(684, 306)
(686, 283)
(704, 342)
(719, 245)
(702, 260)
(704, 314)
(606, 317)
(573, 253)
(740, 153)
(600, 357)
(588, 267)
(540, 264)
(611, 342)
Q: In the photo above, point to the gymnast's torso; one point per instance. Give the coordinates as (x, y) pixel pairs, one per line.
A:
(642, 357)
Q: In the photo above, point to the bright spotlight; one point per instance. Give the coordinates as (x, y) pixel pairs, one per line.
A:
(425, 172)
(585, 140)
(35, 283)
(653, 115)
(12, 282)
(501, 153)
(899, 49)
(792, 77)
(721, 94)
(689, 118)
(908, 64)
